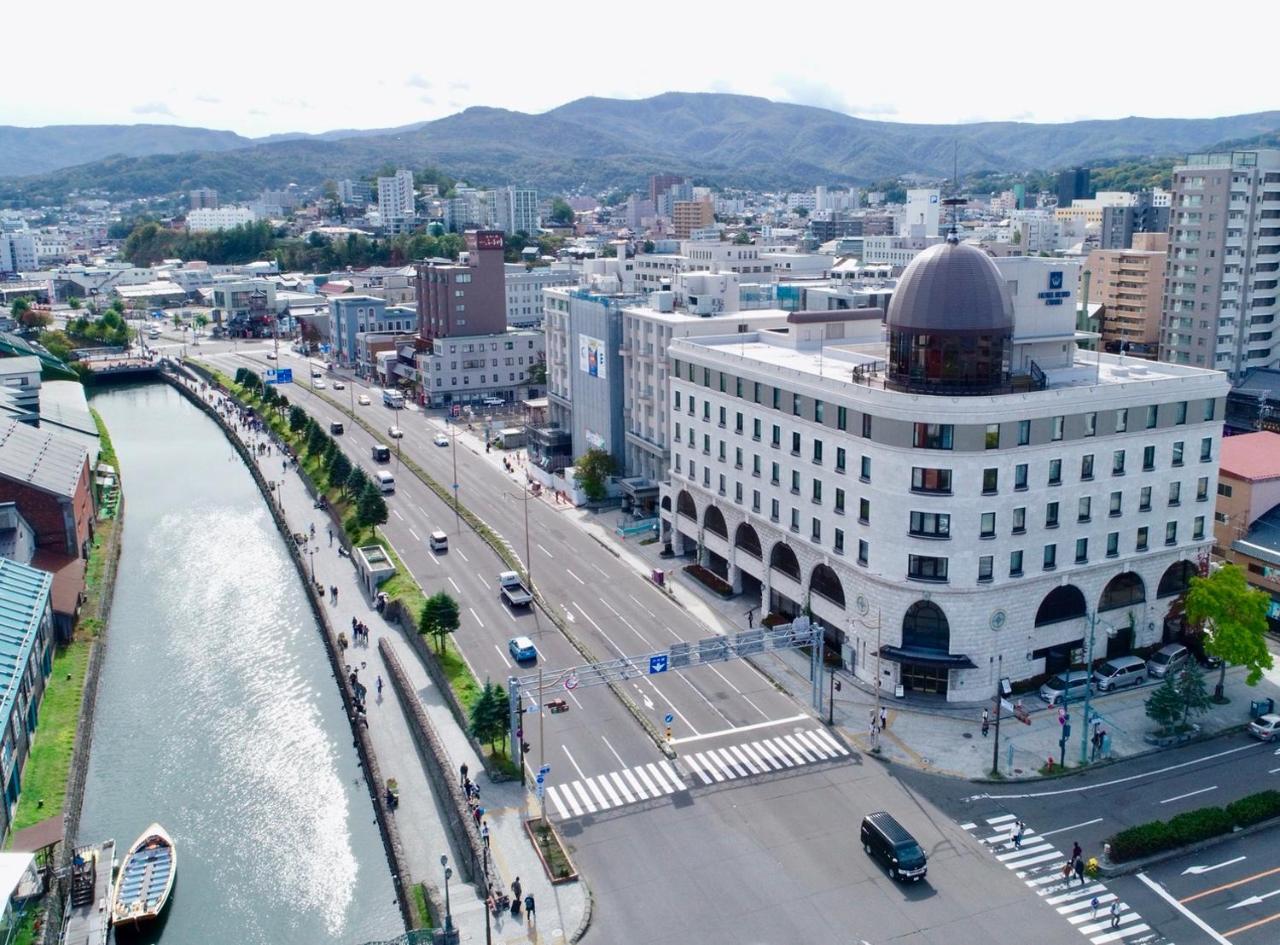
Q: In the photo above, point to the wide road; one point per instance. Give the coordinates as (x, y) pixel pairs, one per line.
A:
(1205, 897)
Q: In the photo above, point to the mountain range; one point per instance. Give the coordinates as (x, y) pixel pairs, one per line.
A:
(590, 144)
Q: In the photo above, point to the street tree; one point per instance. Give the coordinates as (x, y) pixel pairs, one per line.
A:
(1234, 617)
(1192, 692)
(489, 715)
(371, 509)
(315, 439)
(592, 471)
(1164, 705)
(74, 302)
(339, 469)
(561, 212)
(439, 618)
(297, 418)
(357, 481)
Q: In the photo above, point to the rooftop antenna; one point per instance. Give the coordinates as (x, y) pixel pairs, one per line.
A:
(955, 201)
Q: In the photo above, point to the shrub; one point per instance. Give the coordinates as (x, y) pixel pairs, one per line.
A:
(1255, 808)
(1193, 826)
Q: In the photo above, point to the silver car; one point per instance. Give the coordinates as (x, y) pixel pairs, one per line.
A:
(1168, 660)
(1066, 687)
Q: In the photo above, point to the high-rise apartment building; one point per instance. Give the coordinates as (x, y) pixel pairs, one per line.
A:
(202, 198)
(1072, 185)
(1130, 285)
(1120, 223)
(659, 184)
(396, 207)
(467, 297)
(1221, 278)
(690, 215)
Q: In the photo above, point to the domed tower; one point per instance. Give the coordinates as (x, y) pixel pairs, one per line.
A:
(950, 324)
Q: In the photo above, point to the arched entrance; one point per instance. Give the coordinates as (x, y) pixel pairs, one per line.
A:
(746, 540)
(824, 585)
(1060, 605)
(1123, 590)
(1174, 583)
(713, 521)
(925, 659)
(783, 560)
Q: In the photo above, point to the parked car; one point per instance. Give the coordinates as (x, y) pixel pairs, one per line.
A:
(1265, 727)
(1168, 660)
(1118, 673)
(394, 432)
(1066, 687)
(440, 440)
(522, 649)
(890, 843)
(363, 400)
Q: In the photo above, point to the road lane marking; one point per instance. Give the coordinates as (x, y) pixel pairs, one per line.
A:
(1186, 913)
(607, 785)
(572, 762)
(1254, 900)
(555, 800)
(760, 762)
(642, 606)
(1254, 925)
(1087, 823)
(503, 655)
(582, 796)
(653, 790)
(599, 795)
(617, 780)
(1198, 870)
(477, 616)
(396, 513)
(1183, 797)
(611, 748)
(635, 784)
(600, 569)
(572, 575)
(780, 751)
(414, 534)
(1231, 885)
(744, 728)
(544, 550)
(423, 510)
(688, 682)
(697, 765)
(455, 585)
(629, 624)
(433, 555)
(462, 555)
(487, 585)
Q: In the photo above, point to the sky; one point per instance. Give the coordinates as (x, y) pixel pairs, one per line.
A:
(266, 68)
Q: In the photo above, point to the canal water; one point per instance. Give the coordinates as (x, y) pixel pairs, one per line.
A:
(217, 715)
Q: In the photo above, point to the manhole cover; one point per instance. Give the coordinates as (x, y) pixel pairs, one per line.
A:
(1017, 771)
(967, 735)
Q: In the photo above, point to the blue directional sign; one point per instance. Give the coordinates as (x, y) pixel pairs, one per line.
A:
(658, 664)
(541, 778)
(281, 375)
(668, 719)
(545, 769)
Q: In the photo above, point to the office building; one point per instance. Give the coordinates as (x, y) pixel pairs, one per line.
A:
(397, 207)
(1073, 185)
(480, 369)
(922, 215)
(690, 215)
(660, 184)
(353, 315)
(1254, 402)
(1130, 285)
(953, 507)
(1246, 523)
(1120, 223)
(525, 286)
(354, 193)
(202, 198)
(1220, 295)
(467, 297)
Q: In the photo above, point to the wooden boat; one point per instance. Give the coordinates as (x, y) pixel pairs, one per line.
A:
(145, 879)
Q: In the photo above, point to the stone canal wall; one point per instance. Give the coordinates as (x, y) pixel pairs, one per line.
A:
(387, 827)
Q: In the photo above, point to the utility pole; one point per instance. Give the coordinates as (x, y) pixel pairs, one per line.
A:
(542, 742)
(457, 516)
(528, 558)
(995, 748)
(1088, 692)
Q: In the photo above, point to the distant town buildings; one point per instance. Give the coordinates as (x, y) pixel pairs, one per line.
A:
(690, 215)
(397, 207)
(1130, 285)
(202, 198)
(1246, 522)
(210, 220)
(1073, 185)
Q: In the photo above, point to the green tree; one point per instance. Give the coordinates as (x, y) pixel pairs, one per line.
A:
(439, 618)
(297, 416)
(802, 212)
(1234, 618)
(201, 319)
(339, 469)
(371, 509)
(315, 439)
(592, 471)
(74, 302)
(1191, 692)
(489, 715)
(561, 212)
(1164, 705)
(538, 372)
(742, 239)
(357, 481)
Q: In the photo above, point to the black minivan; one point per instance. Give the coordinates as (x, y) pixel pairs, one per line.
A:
(888, 841)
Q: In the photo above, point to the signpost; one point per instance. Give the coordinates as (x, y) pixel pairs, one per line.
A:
(282, 375)
(658, 664)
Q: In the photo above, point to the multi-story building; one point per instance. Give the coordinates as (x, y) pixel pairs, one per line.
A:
(465, 210)
(525, 286)
(210, 220)
(202, 198)
(1246, 522)
(354, 193)
(1254, 402)
(660, 184)
(957, 506)
(353, 315)
(397, 206)
(467, 297)
(656, 270)
(922, 215)
(1221, 278)
(690, 215)
(1130, 285)
(474, 369)
(1072, 185)
(1120, 223)
(897, 251)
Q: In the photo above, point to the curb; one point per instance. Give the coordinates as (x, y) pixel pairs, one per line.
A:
(588, 909)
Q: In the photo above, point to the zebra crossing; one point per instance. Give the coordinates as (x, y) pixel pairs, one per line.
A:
(709, 766)
(1038, 863)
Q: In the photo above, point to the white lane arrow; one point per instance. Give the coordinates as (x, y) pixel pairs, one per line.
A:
(1198, 870)
(567, 613)
(1254, 900)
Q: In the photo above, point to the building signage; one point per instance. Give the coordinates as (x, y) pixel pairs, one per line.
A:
(1056, 293)
(591, 359)
(490, 239)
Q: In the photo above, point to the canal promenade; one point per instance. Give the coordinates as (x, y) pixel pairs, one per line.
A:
(419, 817)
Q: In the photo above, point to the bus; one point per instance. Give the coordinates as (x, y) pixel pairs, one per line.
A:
(393, 398)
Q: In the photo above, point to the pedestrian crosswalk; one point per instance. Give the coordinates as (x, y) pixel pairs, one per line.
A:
(1086, 905)
(709, 766)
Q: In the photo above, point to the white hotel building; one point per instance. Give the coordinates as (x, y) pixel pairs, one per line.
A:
(952, 507)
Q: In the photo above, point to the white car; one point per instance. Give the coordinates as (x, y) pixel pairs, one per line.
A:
(315, 372)
(395, 432)
(271, 355)
(363, 400)
(338, 385)
(319, 384)
(441, 440)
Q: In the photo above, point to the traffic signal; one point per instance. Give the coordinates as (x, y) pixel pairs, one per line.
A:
(524, 748)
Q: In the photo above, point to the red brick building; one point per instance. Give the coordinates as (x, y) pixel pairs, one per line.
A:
(47, 476)
(468, 297)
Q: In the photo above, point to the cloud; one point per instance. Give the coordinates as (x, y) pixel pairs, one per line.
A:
(426, 99)
(209, 99)
(153, 108)
(293, 102)
(418, 81)
(460, 86)
(1023, 116)
(721, 85)
(257, 111)
(804, 91)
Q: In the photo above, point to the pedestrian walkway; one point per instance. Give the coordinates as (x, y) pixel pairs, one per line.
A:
(1083, 902)
(560, 908)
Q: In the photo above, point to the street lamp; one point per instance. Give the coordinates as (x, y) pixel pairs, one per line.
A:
(1088, 690)
(457, 516)
(528, 558)
(448, 875)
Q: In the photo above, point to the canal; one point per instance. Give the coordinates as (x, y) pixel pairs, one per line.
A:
(217, 714)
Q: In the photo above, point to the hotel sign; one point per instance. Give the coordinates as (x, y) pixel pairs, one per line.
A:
(1056, 294)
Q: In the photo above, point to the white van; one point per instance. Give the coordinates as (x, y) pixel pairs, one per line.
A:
(438, 541)
(386, 481)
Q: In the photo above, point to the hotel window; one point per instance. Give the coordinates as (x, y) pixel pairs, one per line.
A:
(1055, 472)
(1090, 424)
(819, 411)
(866, 426)
(777, 399)
(864, 552)
(1142, 539)
(755, 391)
(706, 411)
(1116, 500)
(795, 520)
(1024, 432)
(1175, 493)
(815, 529)
(723, 416)
(1082, 551)
(840, 457)
(817, 491)
(795, 405)
(795, 444)
(865, 469)
(1153, 414)
(677, 400)
(864, 511)
(1209, 409)
(932, 436)
(1058, 424)
(1198, 531)
(1171, 533)
(776, 439)
(987, 525)
(795, 482)
(1086, 467)
(1206, 449)
(1020, 476)
(1202, 489)
(755, 429)
(1113, 544)
(692, 405)
(775, 472)
(985, 563)
(1084, 509)
(1117, 463)
(842, 418)
(1015, 564)
(737, 387)
(1019, 520)
(737, 492)
(1122, 420)
(926, 568)
(1177, 453)
(1051, 515)
(990, 481)
(930, 480)
(837, 542)
(755, 500)
(931, 524)
(1050, 557)
(1144, 499)
(706, 444)
(1180, 413)
(839, 501)
(755, 464)
(1148, 458)
(817, 452)
(993, 436)
(737, 423)
(737, 457)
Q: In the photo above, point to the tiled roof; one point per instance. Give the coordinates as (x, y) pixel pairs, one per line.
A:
(1251, 456)
(49, 461)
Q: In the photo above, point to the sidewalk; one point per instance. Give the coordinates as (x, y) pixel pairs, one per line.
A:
(559, 908)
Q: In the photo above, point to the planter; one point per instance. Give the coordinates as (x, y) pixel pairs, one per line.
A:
(710, 580)
(1170, 740)
(555, 858)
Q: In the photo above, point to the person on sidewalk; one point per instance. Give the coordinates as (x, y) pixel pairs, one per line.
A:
(528, 908)
(1076, 851)
(1018, 829)
(884, 718)
(484, 834)
(463, 778)
(1094, 906)
(516, 901)
(986, 722)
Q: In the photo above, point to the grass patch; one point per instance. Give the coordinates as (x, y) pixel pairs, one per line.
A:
(44, 777)
(421, 906)
(106, 449)
(549, 845)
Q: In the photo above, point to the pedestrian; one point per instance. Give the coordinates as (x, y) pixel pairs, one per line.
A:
(986, 722)
(379, 687)
(884, 718)
(1076, 852)
(516, 888)
(1066, 871)
(1018, 829)
(484, 833)
(528, 908)
(1079, 862)
(330, 536)
(515, 897)
(464, 773)
(1094, 906)
(1115, 913)
(335, 593)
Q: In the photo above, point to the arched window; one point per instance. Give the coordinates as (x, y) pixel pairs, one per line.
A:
(747, 539)
(1123, 590)
(1061, 603)
(713, 520)
(925, 627)
(826, 584)
(1176, 579)
(685, 505)
(666, 502)
(784, 559)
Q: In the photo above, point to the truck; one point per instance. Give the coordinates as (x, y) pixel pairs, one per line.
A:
(393, 398)
(513, 590)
